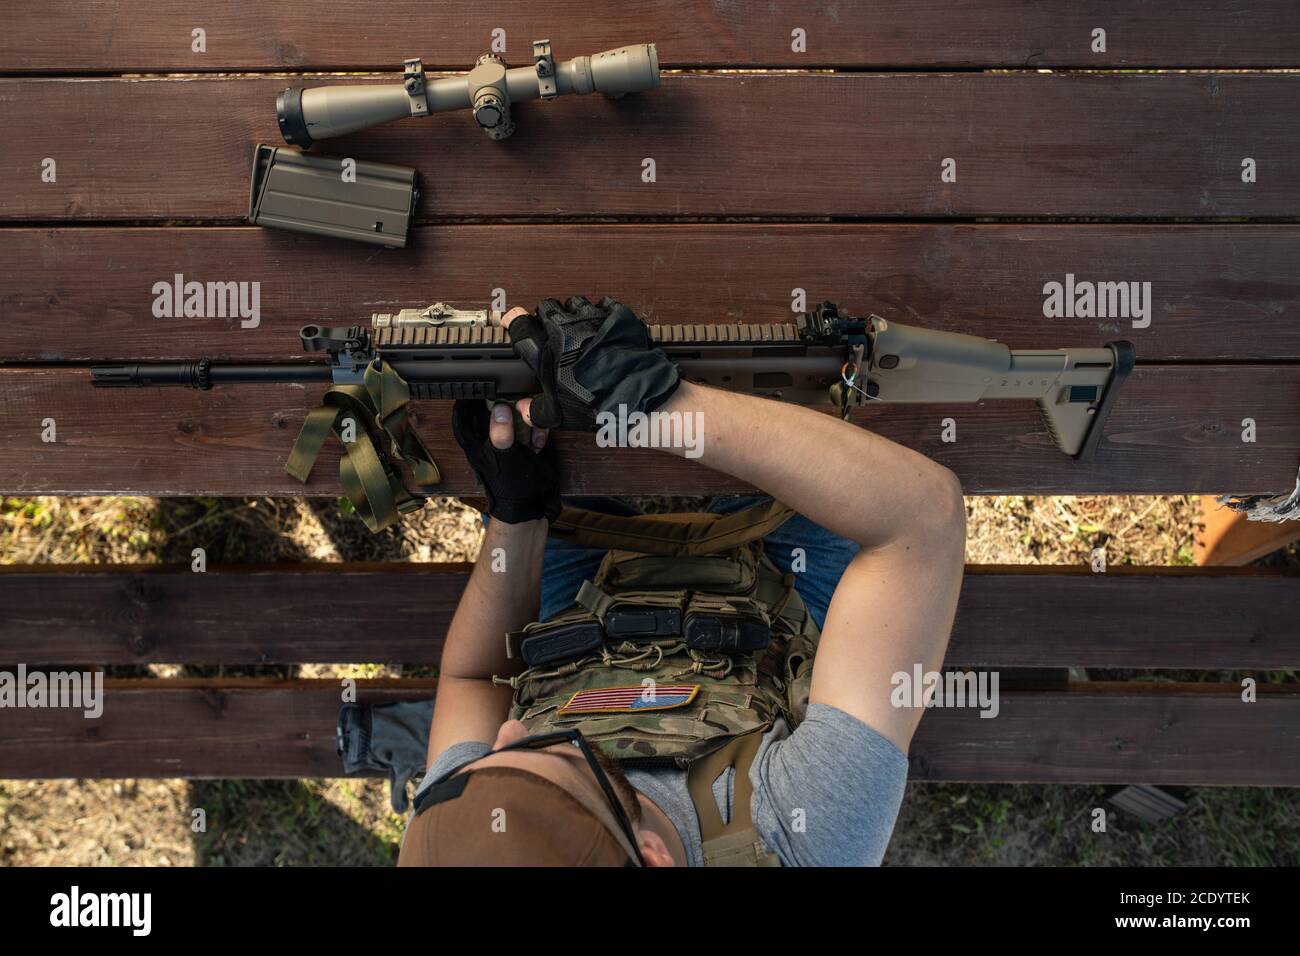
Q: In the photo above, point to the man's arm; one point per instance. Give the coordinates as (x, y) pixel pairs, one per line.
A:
(894, 606)
(469, 706)
(522, 486)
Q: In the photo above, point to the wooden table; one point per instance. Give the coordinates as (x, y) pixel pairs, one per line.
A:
(775, 171)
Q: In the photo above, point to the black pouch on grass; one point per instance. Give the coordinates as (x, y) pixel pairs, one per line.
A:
(392, 738)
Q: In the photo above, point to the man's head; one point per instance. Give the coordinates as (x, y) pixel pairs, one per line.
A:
(519, 807)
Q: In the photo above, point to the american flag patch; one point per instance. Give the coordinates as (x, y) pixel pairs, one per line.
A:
(628, 700)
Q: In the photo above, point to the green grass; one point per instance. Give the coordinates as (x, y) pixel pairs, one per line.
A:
(348, 822)
(1038, 825)
(292, 823)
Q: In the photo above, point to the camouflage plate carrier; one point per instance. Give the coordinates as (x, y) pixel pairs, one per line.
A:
(645, 695)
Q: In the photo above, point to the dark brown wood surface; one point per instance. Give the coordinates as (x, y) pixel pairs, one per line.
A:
(1167, 735)
(1177, 429)
(288, 35)
(1218, 292)
(1157, 734)
(766, 182)
(178, 728)
(725, 145)
(1031, 616)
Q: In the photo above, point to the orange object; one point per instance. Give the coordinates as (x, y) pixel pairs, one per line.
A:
(1227, 538)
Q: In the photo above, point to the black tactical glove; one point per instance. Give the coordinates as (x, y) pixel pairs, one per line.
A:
(388, 737)
(589, 359)
(520, 484)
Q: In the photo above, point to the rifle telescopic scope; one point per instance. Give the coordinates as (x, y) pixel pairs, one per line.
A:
(307, 116)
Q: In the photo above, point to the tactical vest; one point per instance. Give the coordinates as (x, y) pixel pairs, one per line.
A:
(682, 651)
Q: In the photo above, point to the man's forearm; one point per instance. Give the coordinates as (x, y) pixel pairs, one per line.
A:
(893, 606)
(846, 479)
(503, 594)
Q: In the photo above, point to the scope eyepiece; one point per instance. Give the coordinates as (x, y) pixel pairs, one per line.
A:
(288, 110)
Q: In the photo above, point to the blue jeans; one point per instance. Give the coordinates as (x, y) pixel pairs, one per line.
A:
(825, 556)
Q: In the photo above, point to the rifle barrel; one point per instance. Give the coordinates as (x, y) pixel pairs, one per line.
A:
(194, 374)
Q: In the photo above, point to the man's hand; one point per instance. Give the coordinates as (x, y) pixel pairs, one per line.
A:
(521, 483)
(588, 359)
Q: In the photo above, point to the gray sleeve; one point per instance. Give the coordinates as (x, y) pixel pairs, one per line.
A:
(828, 794)
(454, 756)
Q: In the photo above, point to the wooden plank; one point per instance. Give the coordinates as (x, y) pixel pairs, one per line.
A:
(1175, 429)
(1043, 616)
(1226, 538)
(394, 612)
(1012, 616)
(1026, 144)
(1160, 736)
(1157, 734)
(1218, 292)
(965, 33)
(231, 728)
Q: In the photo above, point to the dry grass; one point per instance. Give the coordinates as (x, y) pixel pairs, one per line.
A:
(349, 821)
(123, 530)
(95, 823)
(1000, 530)
(1021, 529)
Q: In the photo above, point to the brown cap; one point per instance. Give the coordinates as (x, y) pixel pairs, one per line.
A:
(504, 816)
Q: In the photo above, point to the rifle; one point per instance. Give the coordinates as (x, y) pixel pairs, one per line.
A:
(443, 353)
